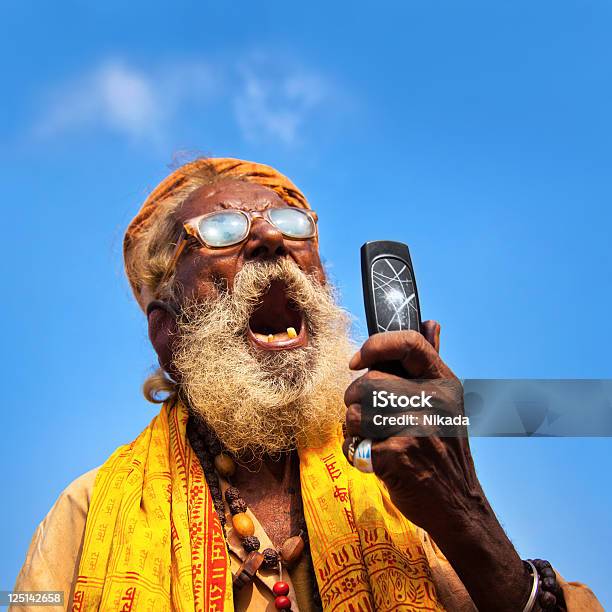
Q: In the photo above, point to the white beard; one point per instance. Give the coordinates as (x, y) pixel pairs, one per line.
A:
(265, 402)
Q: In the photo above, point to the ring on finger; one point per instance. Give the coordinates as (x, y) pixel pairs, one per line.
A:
(353, 444)
(362, 458)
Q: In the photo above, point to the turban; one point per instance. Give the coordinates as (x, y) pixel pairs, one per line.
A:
(182, 178)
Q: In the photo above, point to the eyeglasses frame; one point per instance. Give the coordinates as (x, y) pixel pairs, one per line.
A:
(191, 229)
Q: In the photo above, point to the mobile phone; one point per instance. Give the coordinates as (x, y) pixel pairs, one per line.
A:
(390, 293)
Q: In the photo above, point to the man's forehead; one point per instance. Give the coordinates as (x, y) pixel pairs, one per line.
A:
(227, 194)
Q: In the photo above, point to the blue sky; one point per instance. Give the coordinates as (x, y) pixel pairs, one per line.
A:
(477, 132)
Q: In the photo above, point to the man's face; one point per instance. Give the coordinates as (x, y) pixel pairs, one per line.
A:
(202, 271)
(241, 371)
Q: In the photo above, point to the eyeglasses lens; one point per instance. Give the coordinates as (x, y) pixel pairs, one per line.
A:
(224, 228)
(292, 222)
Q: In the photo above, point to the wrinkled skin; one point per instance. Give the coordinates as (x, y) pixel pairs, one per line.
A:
(431, 480)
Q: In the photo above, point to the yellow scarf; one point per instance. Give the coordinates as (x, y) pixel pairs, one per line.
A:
(154, 542)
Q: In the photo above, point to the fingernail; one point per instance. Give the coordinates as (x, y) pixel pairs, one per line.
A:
(354, 360)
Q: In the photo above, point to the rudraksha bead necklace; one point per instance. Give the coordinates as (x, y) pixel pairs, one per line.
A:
(215, 462)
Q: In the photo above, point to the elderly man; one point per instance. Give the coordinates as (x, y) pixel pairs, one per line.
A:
(239, 494)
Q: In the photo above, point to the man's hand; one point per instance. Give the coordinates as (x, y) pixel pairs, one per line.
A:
(431, 479)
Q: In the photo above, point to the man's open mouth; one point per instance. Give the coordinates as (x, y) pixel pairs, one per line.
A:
(277, 323)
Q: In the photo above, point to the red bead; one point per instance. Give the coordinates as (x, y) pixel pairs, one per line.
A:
(282, 603)
(280, 588)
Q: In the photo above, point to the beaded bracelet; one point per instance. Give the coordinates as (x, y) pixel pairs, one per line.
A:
(545, 589)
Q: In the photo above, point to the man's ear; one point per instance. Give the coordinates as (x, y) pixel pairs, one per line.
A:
(162, 332)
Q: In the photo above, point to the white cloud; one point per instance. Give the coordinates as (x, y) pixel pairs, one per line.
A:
(270, 101)
(132, 102)
(276, 106)
(126, 99)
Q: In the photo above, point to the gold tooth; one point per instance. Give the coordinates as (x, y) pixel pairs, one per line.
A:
(291, 332)
(270, 337)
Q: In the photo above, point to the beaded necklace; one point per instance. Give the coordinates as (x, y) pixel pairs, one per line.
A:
(215, 462)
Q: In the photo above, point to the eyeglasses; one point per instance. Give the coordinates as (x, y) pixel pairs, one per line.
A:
(221, 229)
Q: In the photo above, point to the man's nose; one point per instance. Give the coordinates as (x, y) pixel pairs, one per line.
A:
(265, 241)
